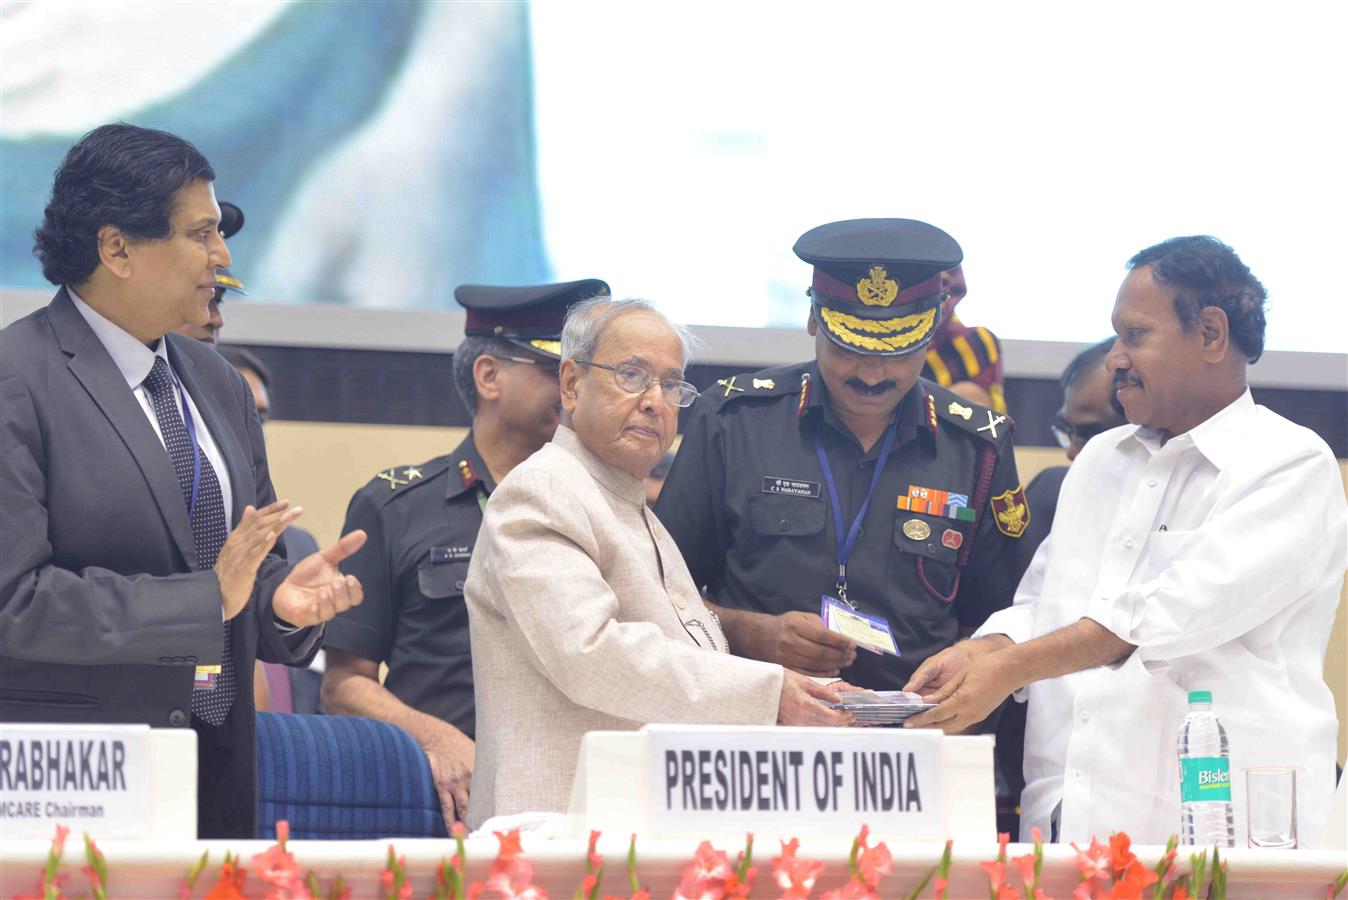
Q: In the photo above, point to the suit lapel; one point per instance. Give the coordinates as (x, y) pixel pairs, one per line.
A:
(236, 460)
(94, 369)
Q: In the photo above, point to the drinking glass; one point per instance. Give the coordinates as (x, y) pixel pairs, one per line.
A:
(1271, 807)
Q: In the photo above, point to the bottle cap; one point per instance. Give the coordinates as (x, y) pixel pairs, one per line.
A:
(1200, 696)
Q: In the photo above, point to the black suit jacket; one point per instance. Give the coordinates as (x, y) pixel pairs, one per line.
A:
(103, 613)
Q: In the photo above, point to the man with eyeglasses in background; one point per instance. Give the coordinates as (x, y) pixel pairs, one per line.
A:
(423, 522)
(1089, 407)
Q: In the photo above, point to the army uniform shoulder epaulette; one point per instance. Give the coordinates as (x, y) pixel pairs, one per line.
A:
(399, 480)
(965, 415)
(775, 382)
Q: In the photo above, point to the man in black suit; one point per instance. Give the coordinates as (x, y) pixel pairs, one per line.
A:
(138, 579)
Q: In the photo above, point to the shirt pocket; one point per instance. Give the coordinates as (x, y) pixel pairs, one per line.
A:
(442, 580)
(1163, 547)
(779, 555)
(929, 550)
(773, 517)
(444, 613)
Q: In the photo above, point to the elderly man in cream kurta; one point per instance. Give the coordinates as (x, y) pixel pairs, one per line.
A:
(582, 613)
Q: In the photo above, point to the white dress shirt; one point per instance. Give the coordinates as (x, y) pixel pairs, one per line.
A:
(134, 360)
(1220, 555)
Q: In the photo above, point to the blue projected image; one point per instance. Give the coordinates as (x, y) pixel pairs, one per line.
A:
(385, 152)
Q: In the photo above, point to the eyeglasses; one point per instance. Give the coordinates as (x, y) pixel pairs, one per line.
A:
(636, 380)
(1067, 434)
(551, 365)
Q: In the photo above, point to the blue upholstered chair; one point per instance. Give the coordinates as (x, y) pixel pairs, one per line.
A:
(343, 777)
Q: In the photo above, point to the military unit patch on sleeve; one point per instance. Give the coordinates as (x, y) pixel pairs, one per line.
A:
(1011, 512)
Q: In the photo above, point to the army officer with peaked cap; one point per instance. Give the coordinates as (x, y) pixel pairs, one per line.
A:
(848, 476)
(423, 521)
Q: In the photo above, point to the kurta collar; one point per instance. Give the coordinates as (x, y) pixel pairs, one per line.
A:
(627, 486)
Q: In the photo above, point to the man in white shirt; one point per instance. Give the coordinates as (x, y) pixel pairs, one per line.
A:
(1203, 546)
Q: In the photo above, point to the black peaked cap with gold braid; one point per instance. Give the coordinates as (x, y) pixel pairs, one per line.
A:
(528, 316)
(877, 282)
(231, 220)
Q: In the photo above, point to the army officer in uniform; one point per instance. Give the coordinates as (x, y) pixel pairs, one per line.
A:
(423, 521)
(849, 476)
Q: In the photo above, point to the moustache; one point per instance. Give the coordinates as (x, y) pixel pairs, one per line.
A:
(871, 390)
(1123, 381)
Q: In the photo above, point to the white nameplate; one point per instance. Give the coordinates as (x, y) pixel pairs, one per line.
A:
(826, 780)
(93, 778)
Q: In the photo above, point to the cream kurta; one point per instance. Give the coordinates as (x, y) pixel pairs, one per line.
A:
(583, 617)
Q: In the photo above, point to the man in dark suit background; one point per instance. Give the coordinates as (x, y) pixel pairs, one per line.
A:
(138, 577)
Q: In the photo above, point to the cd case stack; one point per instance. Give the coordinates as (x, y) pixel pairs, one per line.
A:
(881, 707)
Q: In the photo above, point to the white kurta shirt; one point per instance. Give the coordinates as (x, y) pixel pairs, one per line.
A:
(1220, 555)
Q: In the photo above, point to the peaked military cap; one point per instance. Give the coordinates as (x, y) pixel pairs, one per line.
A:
(226, 281)
(231, 219)
(877, 286)
(528, 316)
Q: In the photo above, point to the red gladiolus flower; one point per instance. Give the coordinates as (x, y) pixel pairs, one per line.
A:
(510, 845)
(1025, 864)
(230, 885)
(795, 876)
(514, 880)
(510, 876)
(1135, 880)
(1093, 862)
(596, 861)
(58, 843)
(705, 877)
(1120, 856)
(873, 863)
(996, 874)
(277, 867)
(854, 889)
(94, 880)
(938, 888)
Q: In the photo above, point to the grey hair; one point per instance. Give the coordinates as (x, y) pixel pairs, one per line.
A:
(462, 365)
(586, 321)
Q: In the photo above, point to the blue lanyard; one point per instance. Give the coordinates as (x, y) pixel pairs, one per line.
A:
(196, 451)
(845, 547)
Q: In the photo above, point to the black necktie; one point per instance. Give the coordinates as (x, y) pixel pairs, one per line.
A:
(208, 523)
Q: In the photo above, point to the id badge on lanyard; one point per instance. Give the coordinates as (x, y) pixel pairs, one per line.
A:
(840, 613)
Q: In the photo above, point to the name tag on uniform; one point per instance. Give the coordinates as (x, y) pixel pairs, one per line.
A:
(450, 554)
(792, 487)
(869, 632)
